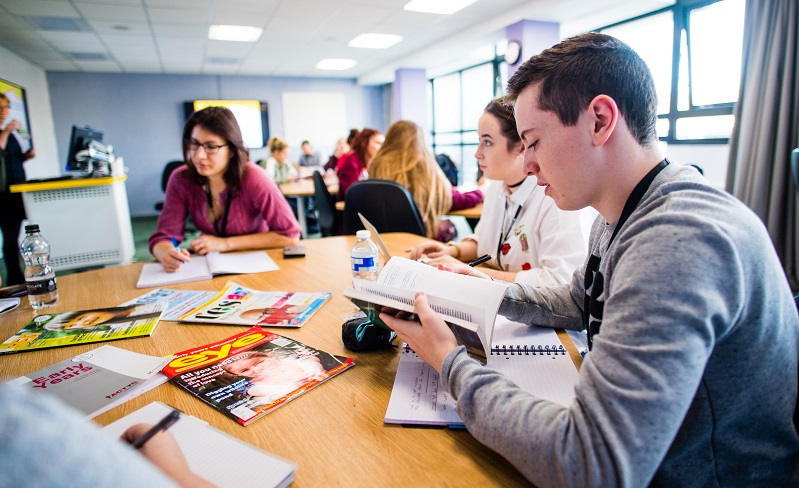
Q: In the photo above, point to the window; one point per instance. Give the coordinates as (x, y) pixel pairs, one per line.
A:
(694, 50)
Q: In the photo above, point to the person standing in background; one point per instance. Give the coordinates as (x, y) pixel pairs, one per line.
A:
(308, 157)
(352, 166)
(12, 172)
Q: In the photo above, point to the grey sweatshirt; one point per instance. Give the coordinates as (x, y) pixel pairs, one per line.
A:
(692, 379)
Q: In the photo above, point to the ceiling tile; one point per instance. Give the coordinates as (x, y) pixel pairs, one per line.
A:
(58, 66)
(103, 27)
(59, 38)
(179, 4)
(44, 8)
(99, 66)
(171, 30)
(179, 17)
(114, 13)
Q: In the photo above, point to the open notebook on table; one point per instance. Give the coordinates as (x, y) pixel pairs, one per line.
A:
(212, 454)
(532, 357)
(206, 267)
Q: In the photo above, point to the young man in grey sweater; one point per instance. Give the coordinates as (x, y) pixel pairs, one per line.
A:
(691, 379)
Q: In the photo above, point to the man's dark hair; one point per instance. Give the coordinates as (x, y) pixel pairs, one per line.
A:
(578, 69)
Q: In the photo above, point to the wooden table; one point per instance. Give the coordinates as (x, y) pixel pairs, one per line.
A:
(473, 213)
(335, 433)
(304, 187)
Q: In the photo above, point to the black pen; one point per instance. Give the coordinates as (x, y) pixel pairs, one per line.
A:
(164, 424)
(482, 259)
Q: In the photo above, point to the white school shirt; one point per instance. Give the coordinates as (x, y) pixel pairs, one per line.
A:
(545, 244)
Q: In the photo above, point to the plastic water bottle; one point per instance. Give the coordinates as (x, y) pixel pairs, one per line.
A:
(39, 275)
(364, 257)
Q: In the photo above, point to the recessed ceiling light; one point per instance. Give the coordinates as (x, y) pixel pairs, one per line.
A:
(336, 64)
(121, 27)
(437, 6)
(375, 41)
(240, 33)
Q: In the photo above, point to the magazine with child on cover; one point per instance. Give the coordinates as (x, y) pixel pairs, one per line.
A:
(85, 326)
(252, 373)
(237, 305)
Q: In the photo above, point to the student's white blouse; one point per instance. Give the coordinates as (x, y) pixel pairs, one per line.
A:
(544, 244)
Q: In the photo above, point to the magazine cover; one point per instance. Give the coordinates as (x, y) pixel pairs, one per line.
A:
(237, 305)
(98, 380)
(178, 301)
(252, 373)
(85, 326)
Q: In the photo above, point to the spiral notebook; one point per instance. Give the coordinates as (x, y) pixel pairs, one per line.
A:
(532, 357)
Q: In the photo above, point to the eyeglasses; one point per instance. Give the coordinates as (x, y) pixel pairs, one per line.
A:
(209, 148)
(5, 107)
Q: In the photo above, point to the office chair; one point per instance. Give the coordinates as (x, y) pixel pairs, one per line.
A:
(168, 169)
(795, 167)
(388, 205)
(325, 206)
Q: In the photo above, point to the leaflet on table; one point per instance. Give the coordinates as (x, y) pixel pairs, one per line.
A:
(97, 381)
(178, 301)
(237, 305)
(253, 372)
(85, 326)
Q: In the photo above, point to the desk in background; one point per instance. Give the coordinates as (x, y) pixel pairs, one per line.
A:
(335, 433)
(302, 188)
(86, 221)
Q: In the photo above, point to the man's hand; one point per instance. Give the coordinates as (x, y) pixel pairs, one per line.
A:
(430, 337)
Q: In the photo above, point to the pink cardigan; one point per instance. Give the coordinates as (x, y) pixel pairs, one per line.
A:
(258, 207)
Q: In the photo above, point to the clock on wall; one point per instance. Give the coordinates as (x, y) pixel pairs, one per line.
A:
(513, 52)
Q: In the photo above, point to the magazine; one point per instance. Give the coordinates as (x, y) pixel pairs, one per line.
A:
(237, 305)
(178, 302)
(212, 454)
(252, 373)
(99, 380)
(469, 305)
(85, 326)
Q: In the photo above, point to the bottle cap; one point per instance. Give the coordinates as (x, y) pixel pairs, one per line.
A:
(32, 228)
(363, 234)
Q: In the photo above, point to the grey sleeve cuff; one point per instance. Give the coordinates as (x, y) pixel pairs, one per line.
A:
(451, 367)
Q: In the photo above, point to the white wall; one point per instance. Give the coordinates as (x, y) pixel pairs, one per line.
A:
(711, 158)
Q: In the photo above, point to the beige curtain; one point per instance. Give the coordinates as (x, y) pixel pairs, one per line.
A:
(767, 125)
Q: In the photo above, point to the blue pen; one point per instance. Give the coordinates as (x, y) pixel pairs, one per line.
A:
(175, 243)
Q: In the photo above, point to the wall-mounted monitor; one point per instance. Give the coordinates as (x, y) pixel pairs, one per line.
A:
(18, 110)
(79, 141)
(252, 116)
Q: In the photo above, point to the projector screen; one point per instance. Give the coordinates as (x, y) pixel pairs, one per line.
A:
(251, 115)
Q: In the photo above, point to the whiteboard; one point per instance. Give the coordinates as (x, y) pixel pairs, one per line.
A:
(320, 118)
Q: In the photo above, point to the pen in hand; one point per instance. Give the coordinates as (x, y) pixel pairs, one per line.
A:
(482, 259)
(163, 424)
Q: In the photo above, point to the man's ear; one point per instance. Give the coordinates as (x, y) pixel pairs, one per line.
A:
(603, 116)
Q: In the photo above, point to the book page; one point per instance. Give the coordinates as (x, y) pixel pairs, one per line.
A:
(211, 454)
(240, 263)
(153, 274)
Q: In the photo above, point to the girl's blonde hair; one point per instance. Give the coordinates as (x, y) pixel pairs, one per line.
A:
(404, 158)
(277, 144)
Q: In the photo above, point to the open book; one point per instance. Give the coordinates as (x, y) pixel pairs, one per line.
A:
(219, 458)
(532, 357)
(237, 305)
(251, 373)
(206, 267)
(468, 304)
(99, 380)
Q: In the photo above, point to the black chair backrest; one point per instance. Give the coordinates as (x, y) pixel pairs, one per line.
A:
(325, 205)
(168, 169)
(795, 166)
(388, 205)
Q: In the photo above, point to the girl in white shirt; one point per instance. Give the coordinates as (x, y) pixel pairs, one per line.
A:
(530, 240)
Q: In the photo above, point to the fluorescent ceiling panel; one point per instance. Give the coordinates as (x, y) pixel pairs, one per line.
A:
(374, 41)
(239, 33)
(336, 64)
(437, 6)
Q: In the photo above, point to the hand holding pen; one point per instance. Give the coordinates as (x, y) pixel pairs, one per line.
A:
(174, 257)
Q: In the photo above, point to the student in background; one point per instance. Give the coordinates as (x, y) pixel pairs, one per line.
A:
(308, 157)
(352, 165)
(278, 166)
(404, 158)
(341, 147)
(691, 380)
(529, 238)
(59, 448)
(231, 201)
(14, 152)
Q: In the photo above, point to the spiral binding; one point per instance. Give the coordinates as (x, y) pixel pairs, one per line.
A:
(519, 350)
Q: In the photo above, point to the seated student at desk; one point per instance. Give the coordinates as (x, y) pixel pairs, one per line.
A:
(232, 202)
(352, 166)
(278, 166)
(404, 158)
(691, 380)
(529, 238)
(60, 448)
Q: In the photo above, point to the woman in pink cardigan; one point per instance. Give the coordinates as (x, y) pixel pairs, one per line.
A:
(231, 201)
